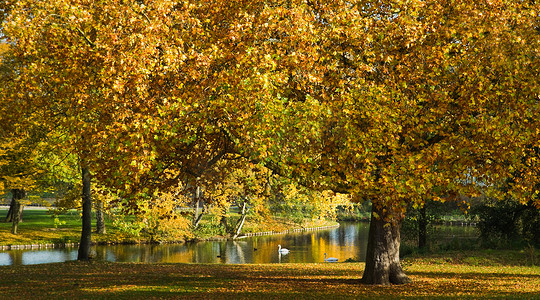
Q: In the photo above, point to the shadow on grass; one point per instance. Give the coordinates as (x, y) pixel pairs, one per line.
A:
(473, 275)
(102, 280)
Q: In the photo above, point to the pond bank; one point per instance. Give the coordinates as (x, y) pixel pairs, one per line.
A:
(246, 235)
(37, 246)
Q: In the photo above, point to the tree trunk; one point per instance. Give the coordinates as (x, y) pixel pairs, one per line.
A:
(86, 234)
(15, 207)
(224, 219)
(197, 216)
(197, 220)
(100, 219)
(382, 257)
(16, 217)
(422, 228)
(17, 210)
(9, 216)
(240, 223)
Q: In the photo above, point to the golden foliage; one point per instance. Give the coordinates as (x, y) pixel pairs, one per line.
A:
(394, 101)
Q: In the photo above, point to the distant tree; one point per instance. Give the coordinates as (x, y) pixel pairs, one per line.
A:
(507, 222)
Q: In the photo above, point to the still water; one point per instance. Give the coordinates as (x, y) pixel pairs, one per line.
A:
(347, 241)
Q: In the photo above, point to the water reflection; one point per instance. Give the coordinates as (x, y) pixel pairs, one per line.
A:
(347, 241)
(32, 257)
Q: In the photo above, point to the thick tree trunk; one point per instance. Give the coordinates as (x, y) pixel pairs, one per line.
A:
(9, 216)
(16, 217)
(382, 257)
(100, 219)
(422, 228)
(15, 207)
(86, 234)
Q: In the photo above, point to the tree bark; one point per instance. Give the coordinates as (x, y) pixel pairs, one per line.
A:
(9, 216)
(15, 211)
(18, 194)
(15, 207)
(86, 234)
(197, 215)
(100, 219)
(16, 217)
(240, 223)
(224, 219)
(382, 257)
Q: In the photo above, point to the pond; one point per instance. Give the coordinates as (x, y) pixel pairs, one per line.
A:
(349, 240)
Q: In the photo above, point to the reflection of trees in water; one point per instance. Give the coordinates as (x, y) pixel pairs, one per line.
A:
(16, 257)
(205, 252)
(231, 252)
(134, 253)
(351, 235)
(347, 241)
(239, 252)
(220, 252)
(131, 253)
(267, 249)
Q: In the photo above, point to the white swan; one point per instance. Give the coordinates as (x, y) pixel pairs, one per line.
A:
(282, 250)
(329, 259)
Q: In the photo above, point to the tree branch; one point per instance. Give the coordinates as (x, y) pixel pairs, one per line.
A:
(88, 41)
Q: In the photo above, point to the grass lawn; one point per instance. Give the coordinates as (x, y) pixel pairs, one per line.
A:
(40, 227)
(450, 276)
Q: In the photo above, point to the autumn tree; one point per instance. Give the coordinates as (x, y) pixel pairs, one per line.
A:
(16, 174)
(20, 170)
(241, 184)
(42, 92)
(123, 83)
(391, 101)
(30, 161)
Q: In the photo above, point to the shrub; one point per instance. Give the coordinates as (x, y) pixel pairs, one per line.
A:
(508, 223)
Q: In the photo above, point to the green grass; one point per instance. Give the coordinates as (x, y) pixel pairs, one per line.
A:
(40, 227)
(452, 277)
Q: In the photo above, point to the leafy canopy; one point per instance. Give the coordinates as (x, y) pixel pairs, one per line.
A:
(393, 101)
